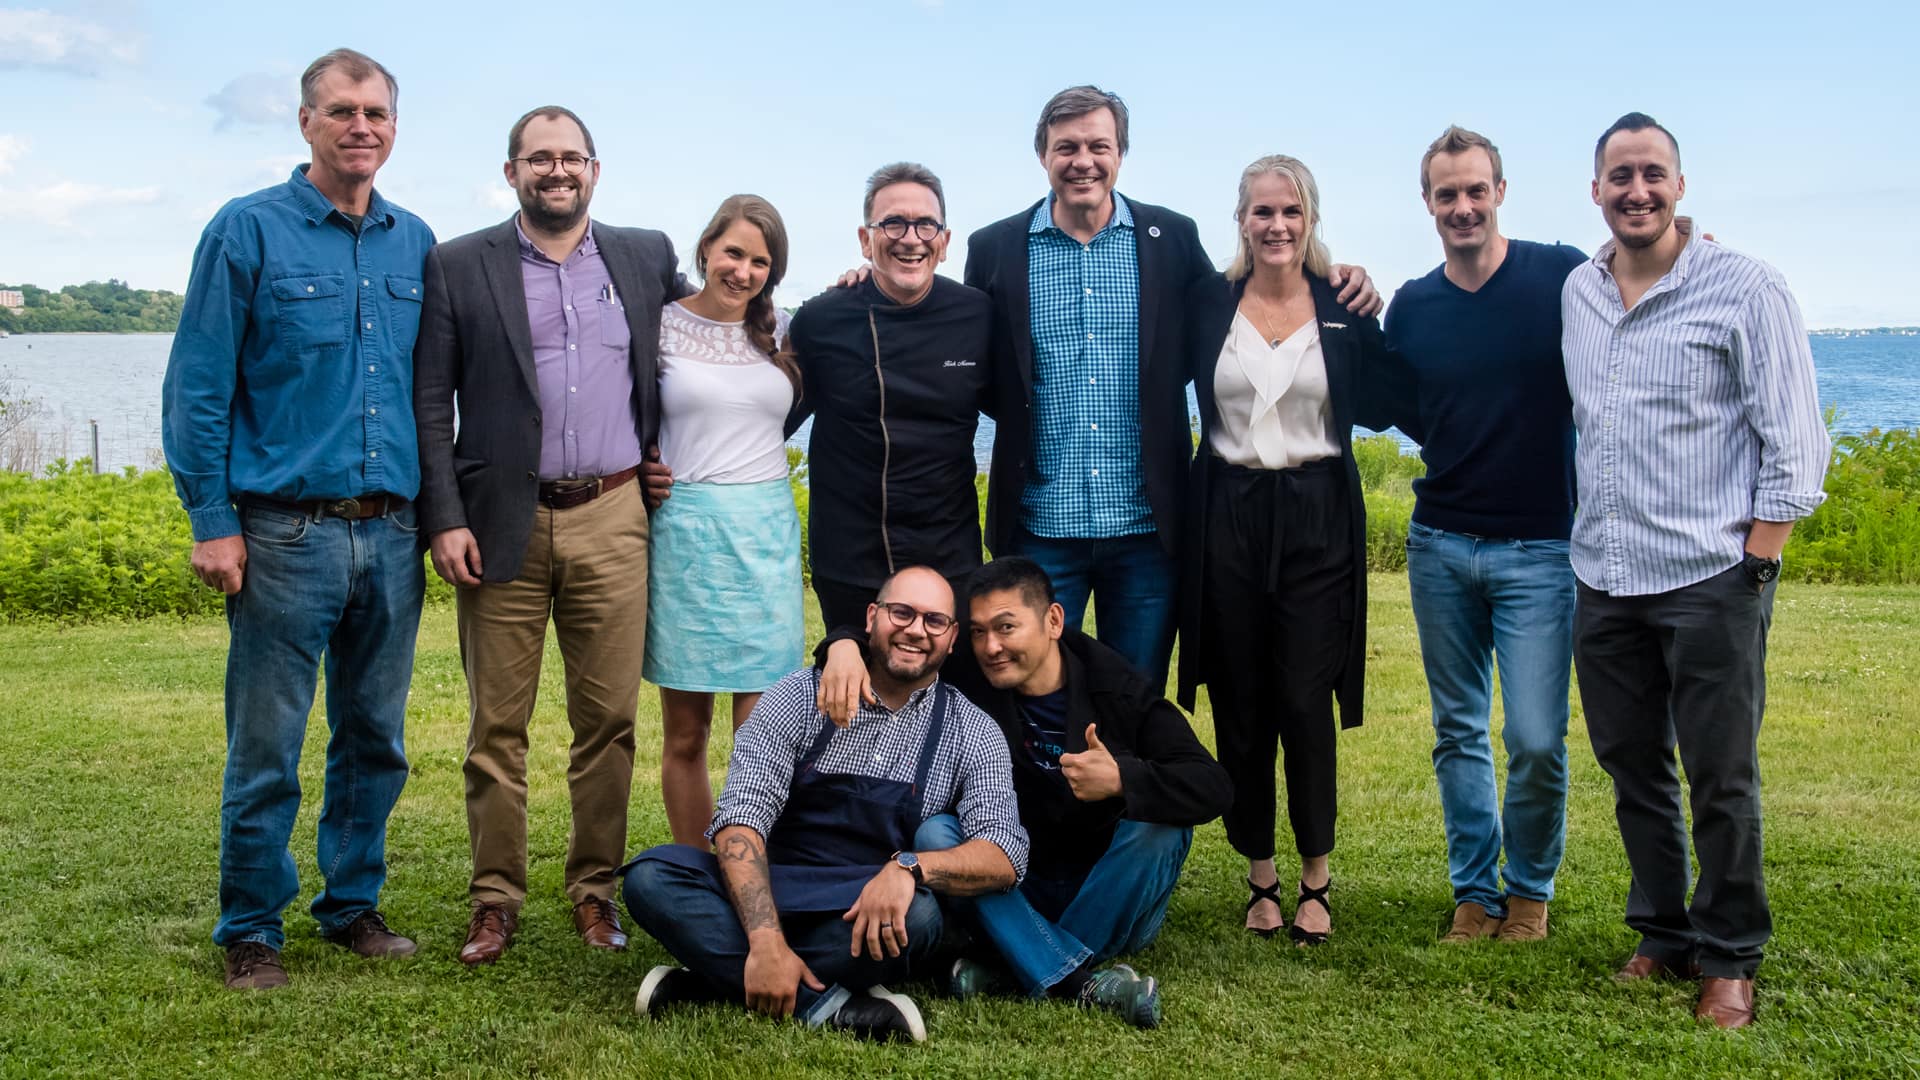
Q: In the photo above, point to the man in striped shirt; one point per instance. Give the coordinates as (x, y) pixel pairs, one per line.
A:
(1701, 442)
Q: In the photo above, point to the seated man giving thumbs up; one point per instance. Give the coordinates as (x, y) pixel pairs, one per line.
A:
(1111, 783)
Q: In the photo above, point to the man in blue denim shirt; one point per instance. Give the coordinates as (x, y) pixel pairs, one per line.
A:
(288, 423)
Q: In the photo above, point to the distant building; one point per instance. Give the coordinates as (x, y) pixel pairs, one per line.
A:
(13, 299)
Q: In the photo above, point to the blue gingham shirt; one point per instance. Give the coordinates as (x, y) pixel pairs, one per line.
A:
(1697, 414)
(1085, 480)
(970, 776)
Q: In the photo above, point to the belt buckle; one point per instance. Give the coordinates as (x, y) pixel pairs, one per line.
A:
(342, 508)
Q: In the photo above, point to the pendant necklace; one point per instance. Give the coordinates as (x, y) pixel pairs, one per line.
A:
(1274, 340)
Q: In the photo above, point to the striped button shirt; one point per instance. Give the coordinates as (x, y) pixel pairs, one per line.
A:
(970, 775)
(1085, 480)
(1696, 413)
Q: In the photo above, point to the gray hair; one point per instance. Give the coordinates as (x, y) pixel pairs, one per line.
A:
(1079, 101)
(902, 172)
(1318, 260)
(357, 66)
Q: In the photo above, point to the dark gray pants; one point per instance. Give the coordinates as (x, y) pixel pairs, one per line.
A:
(1685, 668)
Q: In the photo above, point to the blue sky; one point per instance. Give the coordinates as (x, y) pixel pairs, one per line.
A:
(124, 125)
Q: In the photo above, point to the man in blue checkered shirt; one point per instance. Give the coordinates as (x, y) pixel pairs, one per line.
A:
(1094, 437)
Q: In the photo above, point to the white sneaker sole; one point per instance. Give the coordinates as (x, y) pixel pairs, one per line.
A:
(916, 1025)
(647, 987)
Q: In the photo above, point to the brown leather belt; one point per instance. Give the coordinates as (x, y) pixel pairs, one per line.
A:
(567, 494)
(359, 508)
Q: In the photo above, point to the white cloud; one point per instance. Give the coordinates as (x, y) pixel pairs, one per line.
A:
(254, 98)
(496, 197)
(60, 204)
(12, 149)
(276, 169)
(31, 38)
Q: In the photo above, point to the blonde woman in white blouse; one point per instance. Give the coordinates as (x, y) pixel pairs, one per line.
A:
(724, 587)
(1273, 571)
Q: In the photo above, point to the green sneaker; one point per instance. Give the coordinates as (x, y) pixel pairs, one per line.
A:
(970, 978)
(1125, 993)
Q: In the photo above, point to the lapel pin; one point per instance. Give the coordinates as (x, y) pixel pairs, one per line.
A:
(1153, 230)
(1334, 325)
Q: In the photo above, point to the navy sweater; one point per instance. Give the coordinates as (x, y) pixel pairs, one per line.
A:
(1495, 423)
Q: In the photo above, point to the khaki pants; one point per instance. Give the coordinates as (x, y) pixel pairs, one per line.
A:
(587, 567)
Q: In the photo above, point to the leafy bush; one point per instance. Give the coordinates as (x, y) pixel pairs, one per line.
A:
(1868, 530)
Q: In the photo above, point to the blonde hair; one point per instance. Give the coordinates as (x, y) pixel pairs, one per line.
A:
(1319, 260)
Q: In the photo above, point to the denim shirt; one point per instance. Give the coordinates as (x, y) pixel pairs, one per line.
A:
(292, 372)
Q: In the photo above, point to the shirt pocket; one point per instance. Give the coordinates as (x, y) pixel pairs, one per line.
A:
(404, 310)
(310, 312)
(614, 332)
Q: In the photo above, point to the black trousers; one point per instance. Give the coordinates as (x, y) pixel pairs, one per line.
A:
(1277, 615)
(842, 604)
(1685, 668)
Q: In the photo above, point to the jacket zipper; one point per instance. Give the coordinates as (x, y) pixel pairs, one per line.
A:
(886, 440)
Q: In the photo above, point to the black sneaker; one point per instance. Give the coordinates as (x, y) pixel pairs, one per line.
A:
(665, 987)
(1125, 993)
(881, 1015)
(253, 966)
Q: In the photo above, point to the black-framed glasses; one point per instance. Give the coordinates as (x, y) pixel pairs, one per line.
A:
(903, 615)
(344, 114)
(896, 228)
(543, 164)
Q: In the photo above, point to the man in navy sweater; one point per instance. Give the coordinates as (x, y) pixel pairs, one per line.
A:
(1487, 556)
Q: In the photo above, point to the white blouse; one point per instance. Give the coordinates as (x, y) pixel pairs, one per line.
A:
(723, 403)
(1272, 400)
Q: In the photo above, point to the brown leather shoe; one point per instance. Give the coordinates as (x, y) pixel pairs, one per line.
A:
(1526, 920)
(1651, 967)
(368, 935)
(1726, 1002)
(488, 933)
(599, 923)
(1471, 922)
(253, 966)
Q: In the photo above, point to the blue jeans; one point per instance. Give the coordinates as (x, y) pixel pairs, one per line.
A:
(1475, 601)
(689, 914)
(1132, 582)
(1117, 909)
(346, 594)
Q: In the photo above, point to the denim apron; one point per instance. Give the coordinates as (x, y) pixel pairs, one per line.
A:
(835, 832)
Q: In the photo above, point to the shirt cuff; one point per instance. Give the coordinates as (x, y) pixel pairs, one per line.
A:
(1786, 505)
(214, 523)
(1011, 844)
(727, 820)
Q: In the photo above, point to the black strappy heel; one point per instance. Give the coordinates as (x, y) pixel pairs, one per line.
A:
(1268, 892)
(1316, 896)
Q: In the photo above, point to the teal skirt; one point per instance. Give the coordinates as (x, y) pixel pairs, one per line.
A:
(723, 588)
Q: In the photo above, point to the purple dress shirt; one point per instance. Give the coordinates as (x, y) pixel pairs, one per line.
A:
(580, 361)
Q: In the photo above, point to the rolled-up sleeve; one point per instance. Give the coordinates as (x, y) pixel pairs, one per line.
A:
(988, 809)
(196, 398)
(1782, 404)
(765, 751)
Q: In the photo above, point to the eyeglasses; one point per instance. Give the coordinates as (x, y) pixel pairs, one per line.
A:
(896, 228)
(344, 114)
(542, 164)
(903, 616)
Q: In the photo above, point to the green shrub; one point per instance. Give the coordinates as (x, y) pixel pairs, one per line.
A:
(1868, 530)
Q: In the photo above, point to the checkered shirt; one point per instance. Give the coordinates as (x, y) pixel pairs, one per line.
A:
(970, 776)
(1086, 480)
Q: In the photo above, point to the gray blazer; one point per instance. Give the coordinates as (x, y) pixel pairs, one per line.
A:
(476, 347)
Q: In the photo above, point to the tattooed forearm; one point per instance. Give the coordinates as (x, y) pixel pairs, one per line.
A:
(743, 864)
(975, 867)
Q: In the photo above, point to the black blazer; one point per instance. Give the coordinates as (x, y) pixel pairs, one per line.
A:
(1366, 384)
(1171, 261)
(476, 346)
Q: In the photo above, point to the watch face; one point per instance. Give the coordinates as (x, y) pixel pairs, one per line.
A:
(907, 859)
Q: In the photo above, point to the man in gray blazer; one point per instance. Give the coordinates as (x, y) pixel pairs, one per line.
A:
(544, 330)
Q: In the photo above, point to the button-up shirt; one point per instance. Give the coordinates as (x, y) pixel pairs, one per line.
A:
(1697, 414)
(1086, 480)
(580, 362)
(292, 372)
(971, 774)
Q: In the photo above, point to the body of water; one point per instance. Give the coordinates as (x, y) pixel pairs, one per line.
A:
(1871, 377)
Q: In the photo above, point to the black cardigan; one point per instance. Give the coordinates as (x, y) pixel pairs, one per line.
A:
(1366, 384)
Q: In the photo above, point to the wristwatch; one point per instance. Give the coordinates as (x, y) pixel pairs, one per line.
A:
(910, 862)
(1761, 570)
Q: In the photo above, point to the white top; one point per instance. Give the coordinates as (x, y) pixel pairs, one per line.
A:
(1274, 412)
(723, 403)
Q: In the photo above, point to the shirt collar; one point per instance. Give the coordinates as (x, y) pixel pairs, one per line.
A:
(1603, 259)
(879, 712)
(317, 206)
(527, 248)
(1043, 216)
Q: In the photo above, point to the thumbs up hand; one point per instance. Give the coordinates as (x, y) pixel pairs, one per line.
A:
(1093, 775)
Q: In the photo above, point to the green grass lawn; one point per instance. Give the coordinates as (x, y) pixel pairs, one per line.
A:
(110, 762)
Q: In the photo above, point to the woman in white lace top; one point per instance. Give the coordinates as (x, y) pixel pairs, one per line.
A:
(724, 589)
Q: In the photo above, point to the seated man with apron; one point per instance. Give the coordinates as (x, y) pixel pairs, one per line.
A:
(816, 897)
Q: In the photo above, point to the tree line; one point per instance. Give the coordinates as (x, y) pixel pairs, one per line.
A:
(108, 307)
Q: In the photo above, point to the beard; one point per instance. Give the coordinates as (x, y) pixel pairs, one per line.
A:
(550, 220)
